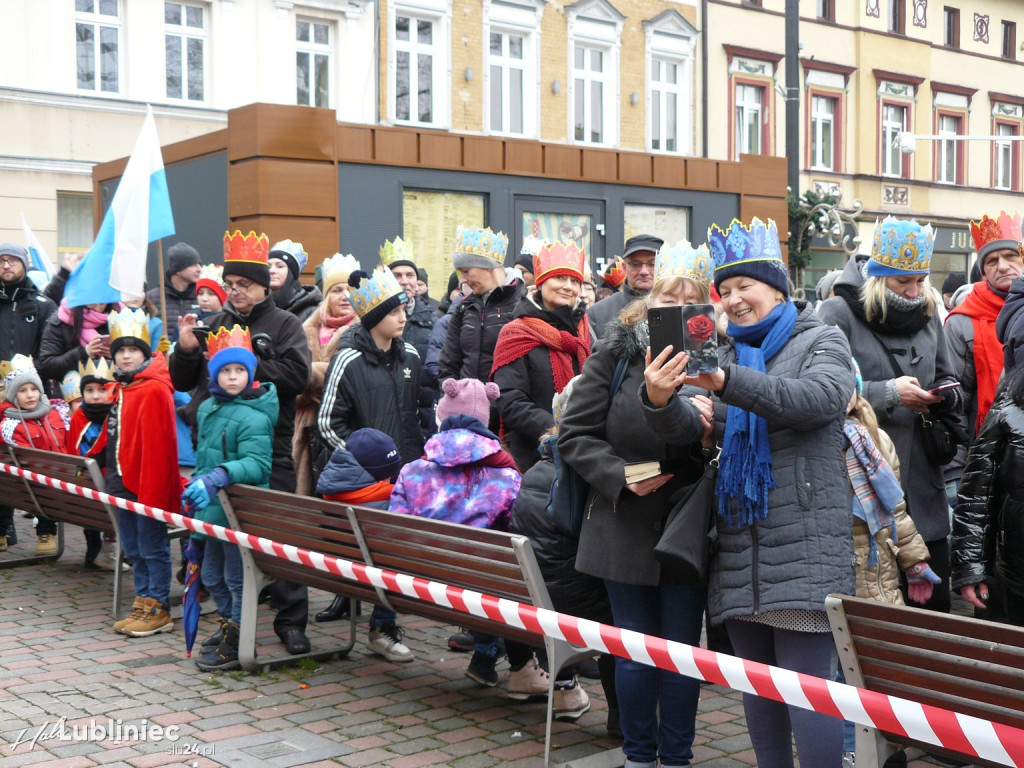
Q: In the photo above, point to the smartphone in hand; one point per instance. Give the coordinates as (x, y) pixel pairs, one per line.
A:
(666, 328)
(944, 387)
(699, 338)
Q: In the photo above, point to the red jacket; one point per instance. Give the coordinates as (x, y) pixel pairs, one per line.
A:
(79, 424)
(46, 434)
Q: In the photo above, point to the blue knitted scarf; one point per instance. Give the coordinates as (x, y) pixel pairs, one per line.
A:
(745, 474)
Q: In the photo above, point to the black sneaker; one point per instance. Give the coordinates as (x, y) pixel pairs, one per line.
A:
(481, 669)
(225, 655)
(462, 642)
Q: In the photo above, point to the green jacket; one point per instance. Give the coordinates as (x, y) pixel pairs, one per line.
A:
(237, 435)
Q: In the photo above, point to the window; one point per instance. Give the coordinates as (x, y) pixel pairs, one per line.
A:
(98, 43)
(1005, 163)
(416, 69)
(507, 73)
(897, 16)
(948, 150)
(185, 51)
(951, 27)
(827, 10)
(1009, 40)
(894, 120)
(749, 110)
(668, 95)
(669, 41)
(823, 132)
(74, 222)
(312, 63)
(590, 81)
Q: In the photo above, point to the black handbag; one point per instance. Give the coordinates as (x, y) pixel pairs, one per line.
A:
(686, 545)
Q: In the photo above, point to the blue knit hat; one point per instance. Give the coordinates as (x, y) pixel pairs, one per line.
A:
(375, 452)
(752, 251)
(228, 355)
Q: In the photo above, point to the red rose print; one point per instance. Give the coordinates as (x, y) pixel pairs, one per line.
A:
(700, 328)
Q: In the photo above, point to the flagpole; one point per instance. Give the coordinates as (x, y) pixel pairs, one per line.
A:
(165, 342)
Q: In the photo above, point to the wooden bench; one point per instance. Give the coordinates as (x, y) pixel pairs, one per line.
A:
(491, 562)
(969, 666)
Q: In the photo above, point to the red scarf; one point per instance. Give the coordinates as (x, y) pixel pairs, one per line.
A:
(524, 334)
(982, 305)
(379, 491)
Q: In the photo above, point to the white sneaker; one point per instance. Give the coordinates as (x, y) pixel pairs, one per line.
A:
(571, 703)
(386, 641)
(528, 681)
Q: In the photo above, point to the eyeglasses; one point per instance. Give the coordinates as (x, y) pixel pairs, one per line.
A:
(634, 265)
(237, 287)
(9, 261)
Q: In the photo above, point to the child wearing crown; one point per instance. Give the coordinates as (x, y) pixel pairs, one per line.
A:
(142, 465)
(29, 418)
(236, 433)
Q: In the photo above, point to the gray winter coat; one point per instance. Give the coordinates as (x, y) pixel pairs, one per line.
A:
(803, 550)
(923, 482)
(607, 310)
(620, 529)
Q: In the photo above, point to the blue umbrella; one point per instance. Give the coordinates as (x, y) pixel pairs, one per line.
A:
(190, 599)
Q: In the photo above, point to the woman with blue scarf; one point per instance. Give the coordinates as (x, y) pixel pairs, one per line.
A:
(784, 522)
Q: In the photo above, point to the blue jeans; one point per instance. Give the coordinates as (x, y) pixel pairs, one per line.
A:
(144, 541)
(222, 577)
(381, 616)
(673, 612)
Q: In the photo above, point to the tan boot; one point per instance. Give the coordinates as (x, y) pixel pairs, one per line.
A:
(3, 543)
(155, 619)
(132, 617)
(46, 545)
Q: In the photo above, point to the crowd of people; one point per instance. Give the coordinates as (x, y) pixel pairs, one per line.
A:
(819, 418)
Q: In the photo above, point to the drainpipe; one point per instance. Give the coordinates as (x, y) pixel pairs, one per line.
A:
(704, 75)
(793, 94)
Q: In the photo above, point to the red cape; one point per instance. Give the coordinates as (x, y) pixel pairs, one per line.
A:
(79, 424)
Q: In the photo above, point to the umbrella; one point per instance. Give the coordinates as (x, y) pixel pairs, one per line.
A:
(190, 598)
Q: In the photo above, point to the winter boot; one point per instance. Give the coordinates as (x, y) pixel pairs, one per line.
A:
(482, 666)
(132, 617)
(155, 619)
(225, 655)
(214, 640)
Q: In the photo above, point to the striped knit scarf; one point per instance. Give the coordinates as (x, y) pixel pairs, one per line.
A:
(876, 489)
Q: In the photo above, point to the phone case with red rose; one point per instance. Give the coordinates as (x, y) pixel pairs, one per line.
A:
(700, 339)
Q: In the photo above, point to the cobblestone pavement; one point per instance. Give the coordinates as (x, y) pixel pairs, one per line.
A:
(59, 659)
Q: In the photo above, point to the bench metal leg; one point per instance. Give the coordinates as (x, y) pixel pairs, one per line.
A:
(560, 654)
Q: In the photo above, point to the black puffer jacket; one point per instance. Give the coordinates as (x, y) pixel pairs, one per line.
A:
(179, 304)
(571, 591)
(365, 387)
(301, 300)
(1010, 325)
(469, 348)
(528, 385)
(23, 314)
(59, 349)
(988, 522)
(418, 326)
(288, 370)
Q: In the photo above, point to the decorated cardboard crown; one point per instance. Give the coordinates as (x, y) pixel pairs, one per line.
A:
(995, 234)
(483, 243)
(293, 249)
(71, 386)
(685, 261)
(558, 259)
(17, 364)
(396, 250)
(128, 323)
(251, 248)
(740, 243)
(226, 338)
(212, 272)
(337, 269)
(901, 247)
(96, 368)
(615, 273)
(374, 291)
(531, 245)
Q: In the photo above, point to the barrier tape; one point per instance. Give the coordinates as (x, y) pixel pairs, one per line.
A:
(1001, 744)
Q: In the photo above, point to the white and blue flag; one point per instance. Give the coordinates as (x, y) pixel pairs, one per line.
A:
(37, 254)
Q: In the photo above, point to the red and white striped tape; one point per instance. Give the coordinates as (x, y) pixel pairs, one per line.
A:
(969, 735)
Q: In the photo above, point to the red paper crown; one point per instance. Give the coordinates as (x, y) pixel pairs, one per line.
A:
(224, 338)
(252, 248)
(558, 259)
(989, 230)
(615, 274)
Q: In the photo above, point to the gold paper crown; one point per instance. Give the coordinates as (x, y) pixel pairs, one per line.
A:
(129, 324)
(374, 291)
(237, 336)
(97, 368)
(685, 261)
(214, 272)
(71, 386)
(17, 363)
(396, 250)
(481, 241)
(251, 248)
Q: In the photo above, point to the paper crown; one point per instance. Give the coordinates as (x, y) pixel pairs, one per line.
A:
(374, 291)
(16, 364)
(337, 269)
(250, 248)
(212, 272)
(684, 261)
(71, 386)
(531, 245)
(128, 323)
(614, 274)
(995, 234)
(295, 250)
(901, 247)
(482, 242)
(224, 338)
(96, 368)
(558, 259)
(396, 250)
(740, 243)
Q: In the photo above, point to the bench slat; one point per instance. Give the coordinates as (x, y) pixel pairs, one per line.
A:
(457, 577)
(439, 560)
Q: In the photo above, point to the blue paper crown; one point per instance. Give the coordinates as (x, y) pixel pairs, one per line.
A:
(374, 291)
(740, 243)
(685, 261)
(481, 241)
(901, 247)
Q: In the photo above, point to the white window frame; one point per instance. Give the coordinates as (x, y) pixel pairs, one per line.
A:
(595, 25)
(742, 114)
(183, 33)
(522, 19)
(100, 21)
(439, 13)
(890, 130)
(819, 118)
(1004, 157)
(313, 49)
(670, 39)
(947, 148)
